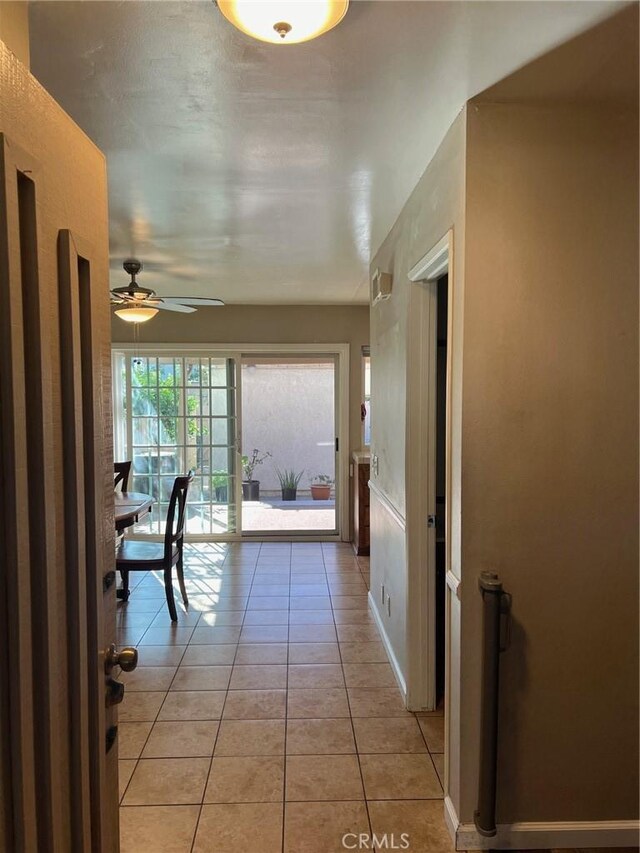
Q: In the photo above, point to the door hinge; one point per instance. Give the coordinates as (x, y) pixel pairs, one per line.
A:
(337, 444)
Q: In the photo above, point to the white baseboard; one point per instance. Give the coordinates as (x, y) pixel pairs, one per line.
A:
(536, 836)
(395, 666)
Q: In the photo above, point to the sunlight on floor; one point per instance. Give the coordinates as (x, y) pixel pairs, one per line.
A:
(270, 712)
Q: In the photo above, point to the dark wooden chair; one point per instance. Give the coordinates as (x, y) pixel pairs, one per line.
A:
(155, 556)
(121, 472)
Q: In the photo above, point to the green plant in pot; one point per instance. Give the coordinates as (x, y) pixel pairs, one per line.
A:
(251, 486)
(321, 487)
(289, 480)
(221, 486)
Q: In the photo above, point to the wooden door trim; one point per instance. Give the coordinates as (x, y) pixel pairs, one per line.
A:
(83, 358)
(75, 541)
(420, 471)
(46, 621)
(17, 709)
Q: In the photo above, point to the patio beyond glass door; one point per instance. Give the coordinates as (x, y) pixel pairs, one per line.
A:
(289, 444)
(180, 415)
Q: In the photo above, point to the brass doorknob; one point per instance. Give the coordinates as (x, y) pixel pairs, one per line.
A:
(127, 659)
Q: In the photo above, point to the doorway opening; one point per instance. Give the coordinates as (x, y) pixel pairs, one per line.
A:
(442, 324)
(289, 444)
(260, 428)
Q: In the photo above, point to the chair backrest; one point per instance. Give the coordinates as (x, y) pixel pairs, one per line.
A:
(174, 530)
(121, 471)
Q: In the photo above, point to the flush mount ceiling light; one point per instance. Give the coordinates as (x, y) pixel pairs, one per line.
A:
(132, 314)
(284, 21)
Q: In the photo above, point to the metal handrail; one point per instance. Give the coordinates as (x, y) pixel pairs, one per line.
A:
(496, 602)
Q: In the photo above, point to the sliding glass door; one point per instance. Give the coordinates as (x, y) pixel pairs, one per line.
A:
(289, 444)
(259, 429)
(178, 413)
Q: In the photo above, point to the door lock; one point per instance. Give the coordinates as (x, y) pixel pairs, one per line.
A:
(127, 659)
(431, 521)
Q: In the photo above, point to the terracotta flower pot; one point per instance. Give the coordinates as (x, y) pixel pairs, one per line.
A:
(320, 492)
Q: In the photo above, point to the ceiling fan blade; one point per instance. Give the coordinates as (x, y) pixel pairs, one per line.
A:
(192, 300)
(164, 306)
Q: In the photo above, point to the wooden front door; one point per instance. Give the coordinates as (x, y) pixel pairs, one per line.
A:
(58, 782)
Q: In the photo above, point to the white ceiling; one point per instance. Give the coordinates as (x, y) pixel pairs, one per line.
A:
(270, 174)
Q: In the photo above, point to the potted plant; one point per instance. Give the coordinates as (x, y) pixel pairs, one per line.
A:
(251, 487)
(321, 487)
(289, 483)
(221, 486)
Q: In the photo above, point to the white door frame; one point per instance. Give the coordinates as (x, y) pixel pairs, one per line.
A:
(420, 472)
(237, 351)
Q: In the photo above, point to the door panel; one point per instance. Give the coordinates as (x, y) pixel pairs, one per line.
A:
(18, 735)
(180, 414)
(290, 406)
(89, 539)
(59, 785)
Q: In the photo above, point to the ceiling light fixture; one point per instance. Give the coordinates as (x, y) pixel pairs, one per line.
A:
(284, 21)
(133, 314)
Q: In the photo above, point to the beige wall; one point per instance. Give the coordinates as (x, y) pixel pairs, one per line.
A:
(268, 324)
(550, 451)
(543, 202)
(14, 28)
(435, 207)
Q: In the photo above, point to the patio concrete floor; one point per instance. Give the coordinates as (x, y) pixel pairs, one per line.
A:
(275, 514)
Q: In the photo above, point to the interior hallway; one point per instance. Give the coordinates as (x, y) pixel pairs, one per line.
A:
(269, 718)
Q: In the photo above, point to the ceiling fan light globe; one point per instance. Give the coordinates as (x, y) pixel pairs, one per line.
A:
(136, 314)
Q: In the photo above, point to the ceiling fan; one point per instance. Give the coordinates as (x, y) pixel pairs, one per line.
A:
(138, 304)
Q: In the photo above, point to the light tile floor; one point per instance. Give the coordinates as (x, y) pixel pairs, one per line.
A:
(269, 718)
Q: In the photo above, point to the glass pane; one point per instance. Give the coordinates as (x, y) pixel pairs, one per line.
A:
(198, 518)
(144, 400)
(219, 372)
(194, 401)
(166, 372)
(223, 431)
(219, 399)
(145, 431)
(194, 431)
(144, 460)
(288, 426)
(221, 460)
(166, 485)
(192, 371)
(140, 484)
(222, 486)
(167, 430)
(170, 461)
